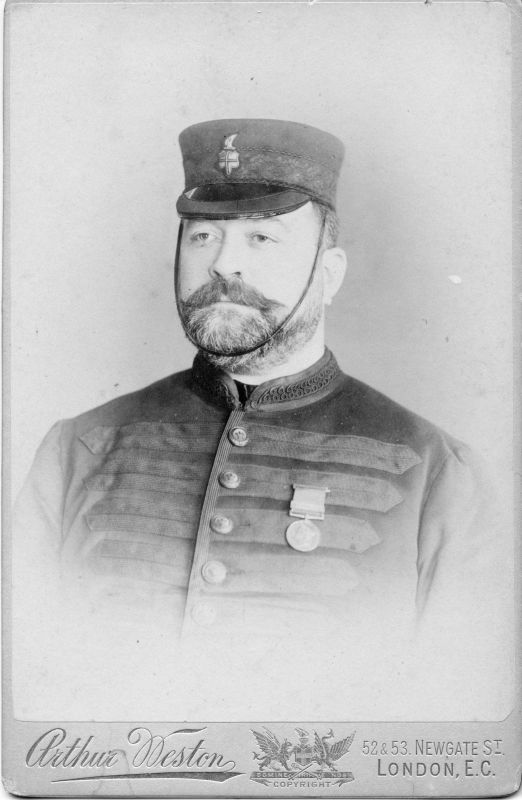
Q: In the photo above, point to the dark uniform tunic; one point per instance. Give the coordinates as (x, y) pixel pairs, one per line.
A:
(172, 504)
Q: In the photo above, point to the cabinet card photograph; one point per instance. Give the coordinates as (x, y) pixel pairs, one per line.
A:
(260, 527)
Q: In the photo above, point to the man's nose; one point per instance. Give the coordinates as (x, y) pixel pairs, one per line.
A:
(227, 262)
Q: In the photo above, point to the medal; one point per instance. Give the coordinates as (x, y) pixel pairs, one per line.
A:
(308, 504)
(303, 535)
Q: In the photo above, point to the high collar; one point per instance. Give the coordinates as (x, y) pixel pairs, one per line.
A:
(302, 388)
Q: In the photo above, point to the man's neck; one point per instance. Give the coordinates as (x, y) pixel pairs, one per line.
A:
(297, 362)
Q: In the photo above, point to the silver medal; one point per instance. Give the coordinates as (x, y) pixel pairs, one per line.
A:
(303, 535)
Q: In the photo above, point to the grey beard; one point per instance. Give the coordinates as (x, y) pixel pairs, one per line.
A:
(276, 351)
(229, 330)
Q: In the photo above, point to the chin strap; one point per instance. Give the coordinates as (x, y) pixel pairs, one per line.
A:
(284, 324)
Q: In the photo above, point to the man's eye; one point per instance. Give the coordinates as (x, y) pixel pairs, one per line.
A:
(201, 236)
(261, 238)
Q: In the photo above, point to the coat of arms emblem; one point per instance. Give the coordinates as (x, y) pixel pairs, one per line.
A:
(304, 751)
(229, 157)
(312, 759)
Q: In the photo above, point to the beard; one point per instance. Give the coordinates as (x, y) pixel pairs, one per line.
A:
(250, 319)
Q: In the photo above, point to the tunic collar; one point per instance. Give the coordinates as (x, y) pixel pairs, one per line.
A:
(302, 388)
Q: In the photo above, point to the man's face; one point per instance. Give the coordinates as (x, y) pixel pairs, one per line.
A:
(240, 278)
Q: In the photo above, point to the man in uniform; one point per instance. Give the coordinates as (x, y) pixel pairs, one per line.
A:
(263, 500)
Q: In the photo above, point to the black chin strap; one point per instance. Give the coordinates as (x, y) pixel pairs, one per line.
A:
(284, 324)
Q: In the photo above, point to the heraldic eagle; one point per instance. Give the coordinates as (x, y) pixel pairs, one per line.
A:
(273, 750)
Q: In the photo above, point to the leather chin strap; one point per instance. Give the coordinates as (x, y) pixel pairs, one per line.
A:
(281, 327)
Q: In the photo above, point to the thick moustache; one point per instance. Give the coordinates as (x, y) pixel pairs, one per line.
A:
(233, 291)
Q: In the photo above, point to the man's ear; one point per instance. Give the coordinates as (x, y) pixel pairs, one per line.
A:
(334, 268)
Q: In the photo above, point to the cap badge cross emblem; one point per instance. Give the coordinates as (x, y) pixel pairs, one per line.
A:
(229, 157)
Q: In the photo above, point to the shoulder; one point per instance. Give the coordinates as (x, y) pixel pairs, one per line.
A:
(162, 398)
(368, 412)
(455, 479)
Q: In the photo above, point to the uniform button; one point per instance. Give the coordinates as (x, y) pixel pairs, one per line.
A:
(204, 614)
(238, 436)
(221, 524)
(229, 479)
(303, 535)
(214, 572)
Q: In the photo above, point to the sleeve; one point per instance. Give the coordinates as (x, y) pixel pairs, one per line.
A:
(465, 597)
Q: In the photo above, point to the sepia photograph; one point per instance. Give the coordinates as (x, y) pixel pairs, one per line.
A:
(261, 404)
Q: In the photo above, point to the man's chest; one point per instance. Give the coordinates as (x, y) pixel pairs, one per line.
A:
(205, 517)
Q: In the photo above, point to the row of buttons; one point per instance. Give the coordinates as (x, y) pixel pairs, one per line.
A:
(219, 523)
(229, 480)
(215, 572)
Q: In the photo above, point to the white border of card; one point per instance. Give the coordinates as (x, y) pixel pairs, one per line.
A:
(83, 750)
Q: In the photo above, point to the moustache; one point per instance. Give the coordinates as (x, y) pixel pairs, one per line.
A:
(234, 290)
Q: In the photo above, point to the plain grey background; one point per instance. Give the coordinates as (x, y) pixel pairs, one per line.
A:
(420, 94)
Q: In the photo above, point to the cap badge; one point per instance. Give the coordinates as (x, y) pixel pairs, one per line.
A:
(229, 157)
